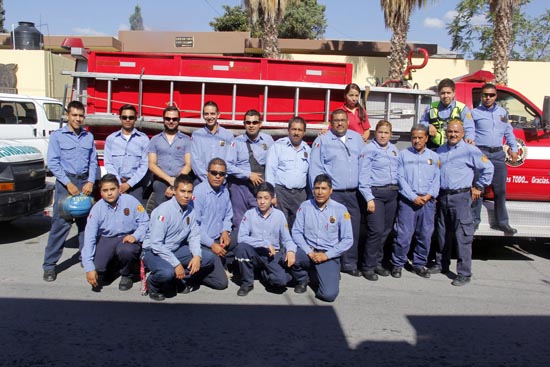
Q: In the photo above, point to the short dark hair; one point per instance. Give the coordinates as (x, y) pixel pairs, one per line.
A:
(489, 86)
(420, 127)
(297, 119)
(338, 111)
(184, 179)
(171, 108)
(127, 107)
(108, 178)
(217, 161)
(266, 187)
(211, 103)
(77, 105)
(446, 83)
(252, 112)
(322, 178)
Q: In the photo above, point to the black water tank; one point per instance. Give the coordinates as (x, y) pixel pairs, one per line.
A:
(27, 37)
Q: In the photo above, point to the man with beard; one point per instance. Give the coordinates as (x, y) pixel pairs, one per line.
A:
(125, 155)
(169, 156)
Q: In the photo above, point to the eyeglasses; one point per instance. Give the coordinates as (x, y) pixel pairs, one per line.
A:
(254, 122)
(128, 117)
(217, 173)
(171, 119)
(491, 95)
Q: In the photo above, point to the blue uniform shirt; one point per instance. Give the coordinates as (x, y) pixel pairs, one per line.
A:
(331, 156)
(170, 228)
(126, 157)
(459, 163)
(378, 167)
(128, 216)
(257, 231)
(445, 112)
(206, 146)
(213, 212)
(73, 154)
(327, 230)
(238, 164)
(170, 157)
(418, 173)
(287, 166)
(491, 126)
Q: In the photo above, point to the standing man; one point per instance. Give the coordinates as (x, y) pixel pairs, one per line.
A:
(125, 155)
(116, 227)
(492, 126)
(246, 165)
(73, 161)
(213, 214)
(323, 232)
(418, 178)
(172, 248)
(437, 116)
(337, 154)
(169, 156)
(212, 141)
(286, 169)
(465, 171)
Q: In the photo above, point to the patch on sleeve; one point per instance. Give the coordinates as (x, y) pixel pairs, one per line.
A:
(317, 145)
(244, 219)
(469, 115)
(90, 216)
(484, 159)
(347, 216)
(233, 144)
(140, 208)
(286, 225)
(160, 218)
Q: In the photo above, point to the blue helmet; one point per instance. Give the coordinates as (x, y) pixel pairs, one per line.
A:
(77, 206)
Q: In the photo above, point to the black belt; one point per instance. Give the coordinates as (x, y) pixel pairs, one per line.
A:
(490, 149)
(78, 177)
(318, 250)
(290, 190)
(346, 190)
(453, 192)
(386, 187)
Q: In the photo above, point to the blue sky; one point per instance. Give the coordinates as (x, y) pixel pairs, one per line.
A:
(347, 19)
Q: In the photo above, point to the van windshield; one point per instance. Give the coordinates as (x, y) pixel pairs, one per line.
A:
(54, 111)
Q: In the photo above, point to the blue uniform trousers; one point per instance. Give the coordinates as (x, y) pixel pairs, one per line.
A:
(60, 227)
(288, 201)
(327, 275)
(159, 190)
(217, 279)
(349, 199)
(241, 200)
(272, 267)
(499, 189)
(138, 190)
(412, 221)
(162, 275)
(107, 248)
(455, 225)
(379, 225)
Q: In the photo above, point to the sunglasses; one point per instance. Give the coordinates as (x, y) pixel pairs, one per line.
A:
(255, 122)
(217, 173)
(127, 117)
(485, 95)
(171, 119)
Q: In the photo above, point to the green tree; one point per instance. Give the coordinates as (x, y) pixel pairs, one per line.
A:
(136, 20)
(521, 38)
(2, 17)
(304, 20)
(397, 15)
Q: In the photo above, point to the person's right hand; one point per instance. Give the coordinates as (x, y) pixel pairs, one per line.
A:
(72, 189)
(218, 249)
(256, 178)
(91, 277)
(180, 272)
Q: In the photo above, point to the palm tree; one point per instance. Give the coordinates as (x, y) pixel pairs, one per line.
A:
(396, 18)
(502, 12)
(269, 12)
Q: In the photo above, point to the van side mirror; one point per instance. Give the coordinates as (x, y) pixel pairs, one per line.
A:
(545, 123)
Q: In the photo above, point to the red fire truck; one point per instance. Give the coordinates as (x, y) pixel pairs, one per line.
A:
(280, 89)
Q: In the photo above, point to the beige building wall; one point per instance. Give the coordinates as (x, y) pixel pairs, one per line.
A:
(39, 72)
(532, 79)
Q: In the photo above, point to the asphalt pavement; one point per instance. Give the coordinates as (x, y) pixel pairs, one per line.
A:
(502, 318)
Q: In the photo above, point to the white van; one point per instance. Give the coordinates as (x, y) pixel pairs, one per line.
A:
(29, 121)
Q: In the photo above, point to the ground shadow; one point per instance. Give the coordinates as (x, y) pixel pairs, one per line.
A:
(24, 229)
